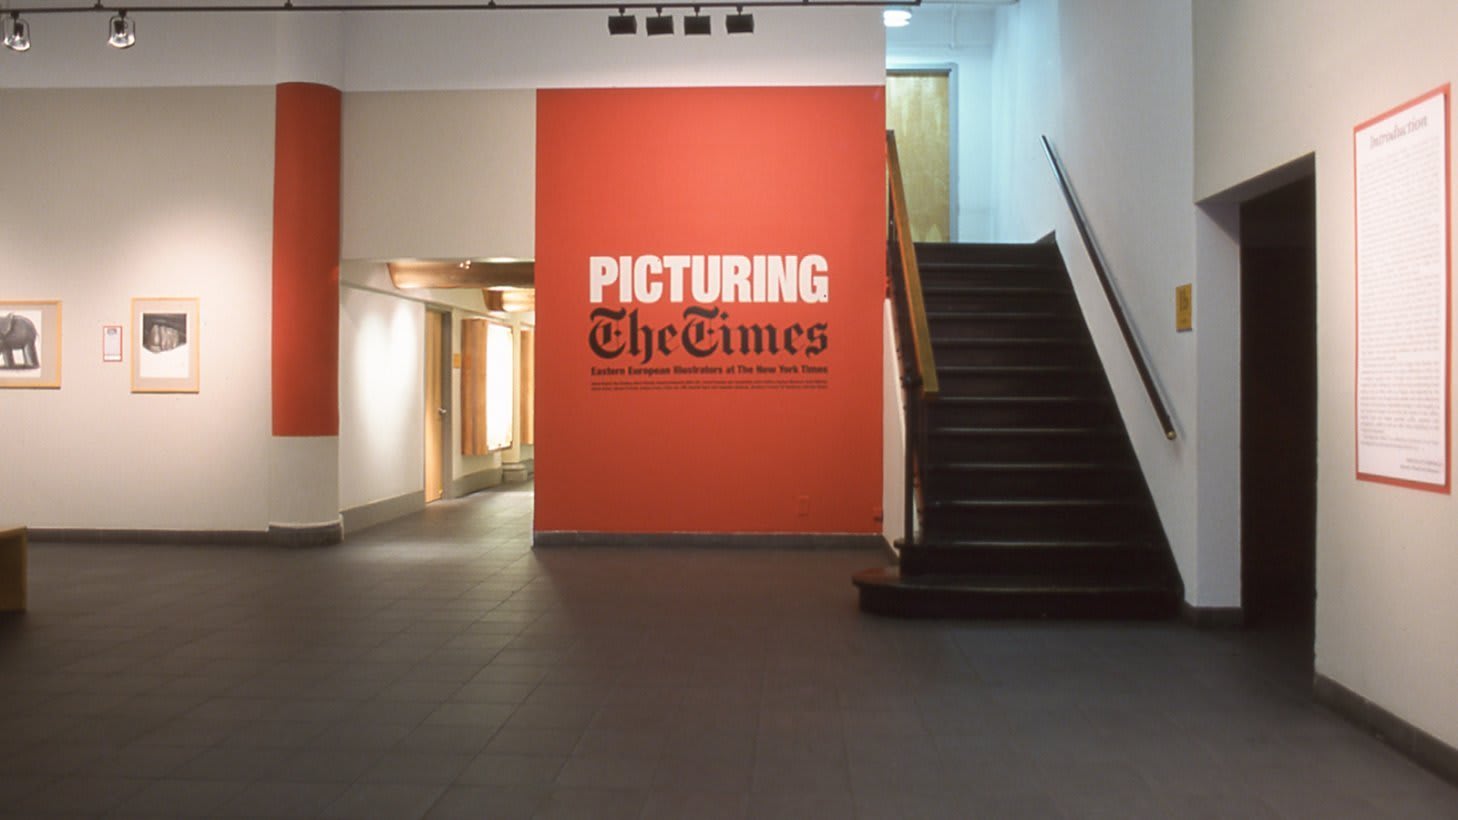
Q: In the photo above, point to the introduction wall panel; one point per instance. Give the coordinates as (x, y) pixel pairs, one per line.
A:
(710, 272)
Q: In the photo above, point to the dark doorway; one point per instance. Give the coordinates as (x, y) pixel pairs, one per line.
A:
(1278, 405)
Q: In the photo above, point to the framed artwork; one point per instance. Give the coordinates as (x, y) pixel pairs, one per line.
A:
(30, 343)
(164, 345)
(111, 343)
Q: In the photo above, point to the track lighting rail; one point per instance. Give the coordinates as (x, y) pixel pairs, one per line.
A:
(489, 6)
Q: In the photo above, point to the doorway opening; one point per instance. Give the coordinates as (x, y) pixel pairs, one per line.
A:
(1278, 407)
(919, 106)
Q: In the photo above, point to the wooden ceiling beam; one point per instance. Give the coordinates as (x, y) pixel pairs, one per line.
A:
(470, 273)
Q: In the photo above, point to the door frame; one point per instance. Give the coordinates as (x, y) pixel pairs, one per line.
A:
(444, 370)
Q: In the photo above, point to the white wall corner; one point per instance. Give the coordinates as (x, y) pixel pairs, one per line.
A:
(303, 473)
(1217, 430)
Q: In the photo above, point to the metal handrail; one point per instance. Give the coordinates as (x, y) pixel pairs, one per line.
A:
(918, 365)
(1100, 268)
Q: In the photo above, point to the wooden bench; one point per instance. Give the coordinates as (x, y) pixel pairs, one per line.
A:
(12, 569)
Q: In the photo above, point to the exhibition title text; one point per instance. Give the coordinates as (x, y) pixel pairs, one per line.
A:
(1397, 131)
(709, 282)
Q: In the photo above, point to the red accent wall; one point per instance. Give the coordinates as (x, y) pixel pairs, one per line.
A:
(306, 261)
(792, 444)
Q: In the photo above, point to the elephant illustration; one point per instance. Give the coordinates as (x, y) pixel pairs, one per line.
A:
(17, 333)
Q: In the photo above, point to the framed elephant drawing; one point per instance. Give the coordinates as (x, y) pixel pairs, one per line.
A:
(30, 343)
(164, 346)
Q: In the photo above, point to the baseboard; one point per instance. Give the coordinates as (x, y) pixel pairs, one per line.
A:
(516, 472)
(355, 519)
(1212, 617)
(715, 540)
(275, 535)
(309, 535)
(1426, 750)
(467, 484)
(76, 535)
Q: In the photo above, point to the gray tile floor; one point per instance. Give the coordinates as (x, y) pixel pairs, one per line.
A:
(438, 667)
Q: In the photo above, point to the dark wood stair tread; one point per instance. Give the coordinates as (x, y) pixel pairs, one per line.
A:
(1031, 466)
(1013, 369)
(1025, 431)
(1031, 503)
(885, 591)
(1005, 341)
(1003, 315)
(1040, 399)
(982, 289)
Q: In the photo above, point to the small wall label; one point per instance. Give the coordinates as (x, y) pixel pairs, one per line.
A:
(1184, 308)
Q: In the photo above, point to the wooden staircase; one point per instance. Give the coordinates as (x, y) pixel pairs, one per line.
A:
(1033, 504)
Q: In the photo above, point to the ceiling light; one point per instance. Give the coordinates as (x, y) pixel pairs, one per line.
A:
(697, 23)
(622, 23)
(123, 32)
(658, 24)
(17, 33)
(740, 23)
(896, 18)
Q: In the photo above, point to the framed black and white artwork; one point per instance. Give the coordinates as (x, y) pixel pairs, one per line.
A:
(165, 346)
(30, 343)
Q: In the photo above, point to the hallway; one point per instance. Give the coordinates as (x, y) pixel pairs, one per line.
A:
(438, 667)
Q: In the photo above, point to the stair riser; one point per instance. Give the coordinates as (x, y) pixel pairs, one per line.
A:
(959, 327)
(994, 278)
(1082, 563)
(976, 301)
(1010, 414)
(954, 484)
(1018, 255)
(1037, 523)
(1046, 448)
(1058, 383)
(1004, 356)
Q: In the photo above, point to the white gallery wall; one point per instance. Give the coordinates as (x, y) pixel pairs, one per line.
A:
(439, 174)
(381, 398)
(112, 195)
(1111, 85)
(1026, 101)
(530, 50)
(1275, 82)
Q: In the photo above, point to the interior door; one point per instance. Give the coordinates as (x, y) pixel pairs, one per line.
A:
(435, 411)
(918, 109)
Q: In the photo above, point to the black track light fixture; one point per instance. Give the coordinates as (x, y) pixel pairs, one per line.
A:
(622, 23)
(17, 33)
(739, 23)
(658, 24)
(697, 23)
(122, 32)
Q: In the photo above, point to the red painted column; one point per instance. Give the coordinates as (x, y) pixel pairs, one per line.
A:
(306, 261)
(304, 457)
